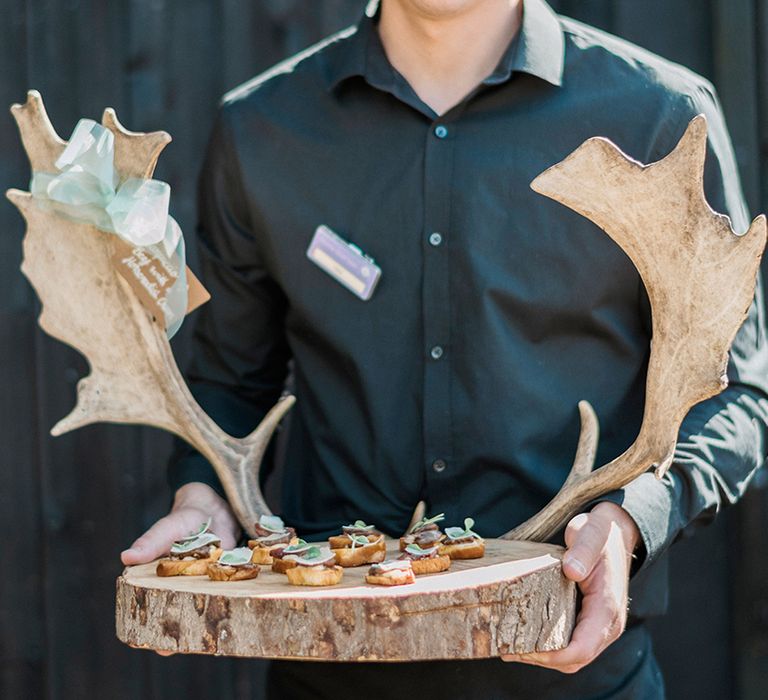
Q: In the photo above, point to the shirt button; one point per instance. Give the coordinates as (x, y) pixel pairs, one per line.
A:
(441, 131)
(435, 238)
(436, 352)
(439, 465)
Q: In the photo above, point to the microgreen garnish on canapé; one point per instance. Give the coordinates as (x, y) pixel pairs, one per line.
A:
(184, 546)
(315, 555)
(299, 545)
(360, 540)
(358, 525)
(427, 521)
(236, 557)
(418, 551)
(272, 523)
(457, 533)
(204, 527)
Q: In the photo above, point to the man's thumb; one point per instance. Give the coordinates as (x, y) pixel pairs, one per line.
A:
(585, 537)
(155, 541)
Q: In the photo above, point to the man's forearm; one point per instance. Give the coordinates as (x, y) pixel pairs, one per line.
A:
(720, 447)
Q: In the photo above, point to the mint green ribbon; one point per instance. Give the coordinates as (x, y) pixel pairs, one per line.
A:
(87, 189)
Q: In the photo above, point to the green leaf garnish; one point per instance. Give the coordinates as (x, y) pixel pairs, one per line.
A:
(235, 557)
(457, 533)
(358, 525)
(427, 521)
(273, 523)
(204, 527)
(184, 546)
(314, 556)
(299, 546)
(358, 540)
(418, 551)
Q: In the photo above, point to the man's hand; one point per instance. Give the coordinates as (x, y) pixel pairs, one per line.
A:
(193, 504)
(598, 557)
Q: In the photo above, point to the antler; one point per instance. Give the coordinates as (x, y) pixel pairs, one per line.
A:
(88, 305)
(700, 278)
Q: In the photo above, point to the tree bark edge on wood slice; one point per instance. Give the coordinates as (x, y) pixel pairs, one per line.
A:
(514, 600)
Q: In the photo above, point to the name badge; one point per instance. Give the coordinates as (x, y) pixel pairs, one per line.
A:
(343, 261)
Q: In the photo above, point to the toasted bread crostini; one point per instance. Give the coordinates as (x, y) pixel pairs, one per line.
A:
(233, 565)
(463, 543)
(191, 555)
(424, 533)
(426, 561)
(187, 567)
(271, 532)
(282, 555)
(316, 567)
(361, 551)
(357, 528)
(359, 544)
(471, 549)
(392, 572)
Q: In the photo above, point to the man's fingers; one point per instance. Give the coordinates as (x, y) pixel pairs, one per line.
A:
(224, 530)
(582, 649)
(599, 624)
(585, 536)
(156, 541)
(595, 544)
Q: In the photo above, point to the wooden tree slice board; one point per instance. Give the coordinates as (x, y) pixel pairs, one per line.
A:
(513, 600)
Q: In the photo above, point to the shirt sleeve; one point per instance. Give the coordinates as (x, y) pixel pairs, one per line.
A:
(722, 441)
(239, 351)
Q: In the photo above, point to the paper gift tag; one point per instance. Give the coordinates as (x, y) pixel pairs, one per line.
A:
(151, 275)
(197, 294)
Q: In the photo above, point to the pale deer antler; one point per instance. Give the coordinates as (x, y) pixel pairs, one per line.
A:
(88, 305)
(700, 278)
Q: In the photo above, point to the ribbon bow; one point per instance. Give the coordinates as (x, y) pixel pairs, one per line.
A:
(87, 189)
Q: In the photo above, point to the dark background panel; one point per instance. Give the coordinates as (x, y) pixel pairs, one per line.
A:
(72, 503)
(22, 655)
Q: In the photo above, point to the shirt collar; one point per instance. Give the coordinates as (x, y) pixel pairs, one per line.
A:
(349, 59)
(537, 49)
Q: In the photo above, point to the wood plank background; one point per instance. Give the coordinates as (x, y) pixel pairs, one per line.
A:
(71, 504)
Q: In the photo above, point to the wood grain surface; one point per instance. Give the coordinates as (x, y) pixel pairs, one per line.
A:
(513, 600)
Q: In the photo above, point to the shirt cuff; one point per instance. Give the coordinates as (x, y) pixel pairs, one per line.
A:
(650, 502)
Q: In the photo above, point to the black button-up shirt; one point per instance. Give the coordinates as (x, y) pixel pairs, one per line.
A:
(497, 309)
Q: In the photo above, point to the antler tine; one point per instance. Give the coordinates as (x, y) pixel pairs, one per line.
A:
(41, 142)
(89, 306)
(136, 153)
(686, 255)
(418, 513)
(586, 450)
(239, 466)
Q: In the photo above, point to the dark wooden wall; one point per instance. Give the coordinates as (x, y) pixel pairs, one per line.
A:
(69, 505)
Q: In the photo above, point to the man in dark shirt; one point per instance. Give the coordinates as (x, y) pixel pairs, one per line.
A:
(414, 136)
